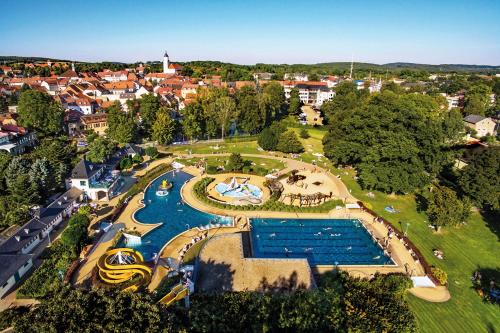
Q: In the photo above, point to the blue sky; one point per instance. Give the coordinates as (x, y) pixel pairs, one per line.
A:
(248, 32)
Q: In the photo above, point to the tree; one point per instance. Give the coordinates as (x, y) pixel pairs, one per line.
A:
(137, 159)
(250, 118)
(126, 163)
(99, 150)
(5, 159)
(304, 134)
(4, 105)
(275, 99)
(294, 104)
(226, 110)
(269, 137)
(397, 142)
(480, 180)
(152, 152)
(444, 208)
(163, 129)
(235, 162)
(150, 105)
(289, 143)
(42, 175)
(193, 120)
(37, 110)
(477, 99)
(121, 125)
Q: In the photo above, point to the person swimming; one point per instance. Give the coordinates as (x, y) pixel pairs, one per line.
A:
(349, 248)
(318, 233)
(328, 228)
(272, 235)
(308, 249)
(376, 258)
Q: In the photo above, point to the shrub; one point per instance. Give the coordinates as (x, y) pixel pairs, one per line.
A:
(235, 162)
(152, 152)
(289, 143)
(440, 275)
(304, 134)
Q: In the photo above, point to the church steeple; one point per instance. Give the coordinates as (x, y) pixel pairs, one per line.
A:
(166, 62)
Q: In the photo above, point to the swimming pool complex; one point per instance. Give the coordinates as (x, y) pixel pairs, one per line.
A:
(321, 241)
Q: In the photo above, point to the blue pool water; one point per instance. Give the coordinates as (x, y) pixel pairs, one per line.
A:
(320, 241)
(245, 190)
(175, 216)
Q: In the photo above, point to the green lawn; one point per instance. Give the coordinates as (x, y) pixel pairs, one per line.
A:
(245, 147)
(266, 163)
(466, 248)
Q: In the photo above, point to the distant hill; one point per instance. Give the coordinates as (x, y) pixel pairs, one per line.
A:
(327, 66)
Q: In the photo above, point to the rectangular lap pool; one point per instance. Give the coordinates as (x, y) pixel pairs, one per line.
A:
(320, 241)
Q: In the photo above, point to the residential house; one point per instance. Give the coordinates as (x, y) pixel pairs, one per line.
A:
(297, 77)
(482, 125)
(16, 253)
(120, 87)
(98, 122)
(189, 89)
(15, 139)
(112, 76)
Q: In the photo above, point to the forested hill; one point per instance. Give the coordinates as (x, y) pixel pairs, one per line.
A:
(319, 68)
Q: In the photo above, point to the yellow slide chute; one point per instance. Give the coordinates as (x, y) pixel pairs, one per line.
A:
(177, 293)
(120, 265)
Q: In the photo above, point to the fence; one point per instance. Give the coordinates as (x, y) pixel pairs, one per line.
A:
(417, 255)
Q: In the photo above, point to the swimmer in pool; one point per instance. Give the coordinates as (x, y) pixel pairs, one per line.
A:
(272, 235)
(349, 248)
(329, 228)
(308, 249)
(376, 258)
(318, 234)
(283, 221)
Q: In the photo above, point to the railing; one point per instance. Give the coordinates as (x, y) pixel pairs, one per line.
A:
(417, 255)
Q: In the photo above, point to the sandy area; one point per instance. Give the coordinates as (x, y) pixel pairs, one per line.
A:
(311, 115)
(315, 182)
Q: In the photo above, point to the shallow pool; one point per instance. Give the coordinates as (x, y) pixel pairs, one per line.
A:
(320, 241)
(172, 212)
(242, 191)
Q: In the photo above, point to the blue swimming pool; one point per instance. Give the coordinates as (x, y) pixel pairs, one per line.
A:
(172, 212)
(320, 241)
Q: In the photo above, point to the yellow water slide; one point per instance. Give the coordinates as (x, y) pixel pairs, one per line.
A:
(116, 273)
(177, 293)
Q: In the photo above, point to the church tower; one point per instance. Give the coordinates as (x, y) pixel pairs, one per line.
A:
(166, 62)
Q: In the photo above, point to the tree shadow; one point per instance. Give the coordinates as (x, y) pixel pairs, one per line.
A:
(486, 282)
(492, 219)
(282, 284)
(214, 277)
(422, 202)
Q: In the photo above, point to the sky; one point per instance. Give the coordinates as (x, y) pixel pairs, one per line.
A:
(255, 31)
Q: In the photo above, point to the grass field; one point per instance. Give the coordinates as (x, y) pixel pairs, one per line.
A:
(266, 163)
(243, 147)
(466, 248)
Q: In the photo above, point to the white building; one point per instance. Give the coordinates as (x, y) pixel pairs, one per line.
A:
(297, 77)
(169, 67)
(97, 181)
(310, 93)
(482, 125)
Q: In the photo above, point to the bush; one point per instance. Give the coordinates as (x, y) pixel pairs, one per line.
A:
(235, 162)
(211, 169)
(440, 275)
(289, 143)
(125, 163)
(152, 152)
(304, 134)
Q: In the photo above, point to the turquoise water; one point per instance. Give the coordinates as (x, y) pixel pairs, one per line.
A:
(320, 241)
(175, 215)
(245, 190)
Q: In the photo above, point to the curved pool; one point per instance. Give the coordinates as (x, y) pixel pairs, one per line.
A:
(175, 216)
(242, 191)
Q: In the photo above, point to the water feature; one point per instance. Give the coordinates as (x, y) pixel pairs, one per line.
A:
(172, 212)
(321, 241)
(239, 190)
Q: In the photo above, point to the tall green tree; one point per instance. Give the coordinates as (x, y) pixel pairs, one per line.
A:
(294, 104)
(288, 142)
(37, 110)
(99, 150)
(149, 106)
(480, 180)
(193, 121)
(163, 129)
(444, 208)
(121, 125)
(226, 112)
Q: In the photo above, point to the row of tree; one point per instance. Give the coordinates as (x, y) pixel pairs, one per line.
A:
(341, 304)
